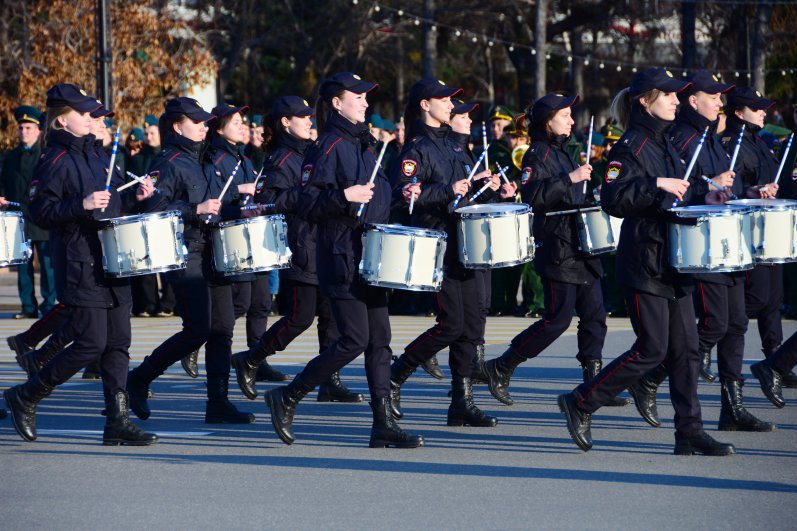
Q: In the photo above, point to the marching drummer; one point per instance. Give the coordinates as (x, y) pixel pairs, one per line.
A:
(281, 185)
(204, 302)
(643, 179)
(553, 181)
(430, 160)
(718, 297)
(337, 169)
(756, 168)
(72, 197)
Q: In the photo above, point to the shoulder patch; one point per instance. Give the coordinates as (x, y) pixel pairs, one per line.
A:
(794, 174)
(409, 167)
(525, 175)
(155, 175)
(259, 185)
(307, 171)
(613, 170)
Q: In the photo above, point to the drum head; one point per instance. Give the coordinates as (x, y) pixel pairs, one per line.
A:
(493, 210)
(766, 204)
(699, 211)
(140, 217)
(395, 228)
(247, 221)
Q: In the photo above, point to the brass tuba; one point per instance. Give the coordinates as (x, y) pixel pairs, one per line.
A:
(517, 155)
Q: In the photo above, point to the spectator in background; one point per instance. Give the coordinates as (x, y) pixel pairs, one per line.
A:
(139, 164)
(16, 185)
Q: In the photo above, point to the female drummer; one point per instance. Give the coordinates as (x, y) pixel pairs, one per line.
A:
(70, 200)
(756, 168)
(281, 185)
(430, 159)
(205, 301)
(662, 314)
(718, 297)
(335, 175)
(552, 182)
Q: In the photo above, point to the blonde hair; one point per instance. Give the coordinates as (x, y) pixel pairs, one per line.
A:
(622, 104)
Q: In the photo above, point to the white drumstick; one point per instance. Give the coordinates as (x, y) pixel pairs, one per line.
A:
(226, 185)
(470, 176)
(783, 159)
(136, 180)
(485, 146)
(736, 149)
(113, 160)
(693, 160)
(589, 147)
(373, 175)
(412, 196)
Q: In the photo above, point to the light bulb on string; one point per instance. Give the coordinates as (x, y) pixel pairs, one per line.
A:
(619, 68)
(533, 51)
(401, 12)
(569, 58)
(511, 48)
(634, 70)
(601, 66)
(417, 22)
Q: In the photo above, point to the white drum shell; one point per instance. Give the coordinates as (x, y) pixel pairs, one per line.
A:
(14, 248)
(598, 232)
(496, 235)
(399, 257)
(774, 229)
(721, 241)
(143, 244)
(251, 245)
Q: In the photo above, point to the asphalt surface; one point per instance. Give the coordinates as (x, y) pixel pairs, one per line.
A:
(524, 474)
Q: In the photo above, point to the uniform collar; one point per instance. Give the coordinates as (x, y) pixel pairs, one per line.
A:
(219, 144)
(459, 139)
(691, 117)
(435, 133)
(71, 142)
(540, 135)
(181, 143)
(291, 142)
(655, 127)
(355, 132)
(735, 123)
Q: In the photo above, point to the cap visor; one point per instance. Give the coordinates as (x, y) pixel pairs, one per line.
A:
(762, 105)
(102, 112)
(305, 112)
(201, 116)
(87, 105)
(465, 108)
(363, 87)
(446, 92)
(673, 85)
(569, 102)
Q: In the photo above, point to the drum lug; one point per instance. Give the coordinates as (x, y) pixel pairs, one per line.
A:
(726, 248)
(408, 276)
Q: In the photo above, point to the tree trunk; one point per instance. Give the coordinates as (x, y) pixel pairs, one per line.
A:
(577, 69)
(688, 42)
(541, 47)
(429, 41)
(758, 53)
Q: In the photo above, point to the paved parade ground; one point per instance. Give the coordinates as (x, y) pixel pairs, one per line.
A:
(524, 474)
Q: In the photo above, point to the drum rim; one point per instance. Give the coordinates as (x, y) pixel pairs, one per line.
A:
(161, 269)
(707, 211)
(247, 221)
(511, 209)
(497, 265)
(405, 287)
(390, 228)
(122, 220)
(259, 269)
(11, 213)
(776, 204)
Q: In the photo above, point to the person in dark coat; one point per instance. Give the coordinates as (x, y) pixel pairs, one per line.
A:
(15, 179)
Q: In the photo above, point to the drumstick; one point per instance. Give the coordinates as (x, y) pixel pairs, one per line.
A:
(693, 160)
(373, 175)
(470, 176)
(484, 145)
(248, 197)
(113, 160)
(259, 205)
(736, 149)
(412, 197)
(718, 187)
(783, 158)
(14, 204)
(136, 180)
(224, 190)
(589, 147)
(502, 171)
(485, 187)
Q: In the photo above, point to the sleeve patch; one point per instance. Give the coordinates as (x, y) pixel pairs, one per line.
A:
(525, 175)
(409, 167)
(794, 174)
(307, 171)
(155, 176)
(613, 170)
(259, 185)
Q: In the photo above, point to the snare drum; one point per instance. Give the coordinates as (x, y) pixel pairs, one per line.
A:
(598, 232)
(401, 257)
(251, 245)
(143, 244)
(495, 235)
(720, 241)
(14, 248)
(774, 224)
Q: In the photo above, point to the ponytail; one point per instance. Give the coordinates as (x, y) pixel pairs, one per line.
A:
(621, 107)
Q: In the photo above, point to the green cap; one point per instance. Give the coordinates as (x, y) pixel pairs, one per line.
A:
(28, 113)
(150, 119)
(500, 112)
(612, 132)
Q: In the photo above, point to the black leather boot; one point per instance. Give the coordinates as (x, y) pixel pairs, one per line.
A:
(734, 416)
(770, 381)
(18, 345)
(219, 409)
(788, 379)
(22, 401)
(579, 423)
(432, 367)
(462, 411)
(400, 370)
(589, 370)
(644, 394)
(34, 360)
(245, 373)
(334, 390)
(92, 371)
(282, 402)
(190, 364)
(701, 444)
(385, 431)
(267, 373)
(705, 367)
(499, 371)
(138, 381)
(118, 428)
(479, 375)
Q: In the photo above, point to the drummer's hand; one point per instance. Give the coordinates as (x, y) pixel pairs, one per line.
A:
(145, 189)
(359, 193)
(768, 191)
(508, 190)
(495, 182)
(248, 188)
(724, 179)
(409, 190)
(582, 173)
(718, 197)
(3, 202)
(211, 206)
(677, 187)
(96, 200)
(461, 187)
